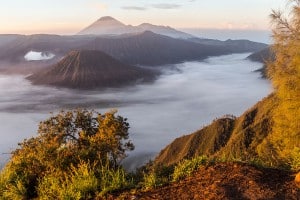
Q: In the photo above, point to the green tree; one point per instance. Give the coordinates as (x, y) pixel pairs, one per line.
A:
(65, 141)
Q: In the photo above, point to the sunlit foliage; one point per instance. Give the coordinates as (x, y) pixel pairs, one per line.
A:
(74, 150)
(284, 142)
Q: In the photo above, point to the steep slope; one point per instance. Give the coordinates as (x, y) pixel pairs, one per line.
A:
(90, 69)
(225, 138)
(206, 141)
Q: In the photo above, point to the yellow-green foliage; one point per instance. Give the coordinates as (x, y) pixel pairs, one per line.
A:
(157, 175)
(75, 155)
(186, 167)
(284, 142)
(83, 182)
(112, 180)
(79, 183)
(12, 186)
(151, 180)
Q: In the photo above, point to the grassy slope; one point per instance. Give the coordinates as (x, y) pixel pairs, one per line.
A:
(225, 138)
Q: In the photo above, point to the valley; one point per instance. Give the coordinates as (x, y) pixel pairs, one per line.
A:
(165, 100)
(221, 85)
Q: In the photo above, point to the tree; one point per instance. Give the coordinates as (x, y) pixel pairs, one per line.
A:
(67, 140)
(284, 72)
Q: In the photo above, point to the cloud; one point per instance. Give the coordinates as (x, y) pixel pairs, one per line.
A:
(166, 6)
(134, 8)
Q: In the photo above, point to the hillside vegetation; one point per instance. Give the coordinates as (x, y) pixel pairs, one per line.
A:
(226, 138)
(269, 132)
(75, 155)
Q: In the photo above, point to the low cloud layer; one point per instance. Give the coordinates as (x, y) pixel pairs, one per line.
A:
(182, 100)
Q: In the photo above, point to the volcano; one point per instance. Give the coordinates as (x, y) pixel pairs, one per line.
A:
(90, 69)
(110, 26)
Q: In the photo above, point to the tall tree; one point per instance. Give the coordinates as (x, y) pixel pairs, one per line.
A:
(284, 72)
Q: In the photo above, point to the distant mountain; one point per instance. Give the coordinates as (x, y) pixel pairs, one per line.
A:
(152, 49)
(262, 55)
(165, 30)
(146, 48)
(15, 50)
(107, 26)
(235, 46)
(7, 38)
(90, 69)
(110, 26)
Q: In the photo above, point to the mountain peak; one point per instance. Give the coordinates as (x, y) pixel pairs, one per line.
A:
(107, 18)
(108, 25)
(104, 25)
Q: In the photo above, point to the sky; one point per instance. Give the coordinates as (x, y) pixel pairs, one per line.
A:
(70, 16)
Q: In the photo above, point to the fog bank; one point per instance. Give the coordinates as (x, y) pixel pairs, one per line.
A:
(186, 97)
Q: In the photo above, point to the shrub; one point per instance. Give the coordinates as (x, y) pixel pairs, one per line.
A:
(186, 167)
(80, 183)
(112, 180)
(56, 162)
(157, 175)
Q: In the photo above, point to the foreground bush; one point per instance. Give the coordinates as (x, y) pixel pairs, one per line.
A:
(76, 155)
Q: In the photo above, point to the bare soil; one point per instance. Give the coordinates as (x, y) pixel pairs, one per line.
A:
(235, 181)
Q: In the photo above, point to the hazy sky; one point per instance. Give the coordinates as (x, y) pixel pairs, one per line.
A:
(69, 16)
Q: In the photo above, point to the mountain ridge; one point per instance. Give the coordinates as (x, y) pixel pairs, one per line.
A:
(145, 48)
(108, 25)
(229, 137)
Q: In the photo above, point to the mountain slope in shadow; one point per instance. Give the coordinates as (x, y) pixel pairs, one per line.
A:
(146, 48)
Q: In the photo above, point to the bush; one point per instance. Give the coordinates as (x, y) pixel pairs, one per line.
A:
(187, 167)
(112, 180)
(75, 154)
(156, 176)
(12, 186)
(80, 183)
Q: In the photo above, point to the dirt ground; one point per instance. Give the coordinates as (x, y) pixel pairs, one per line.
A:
(232, 181)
